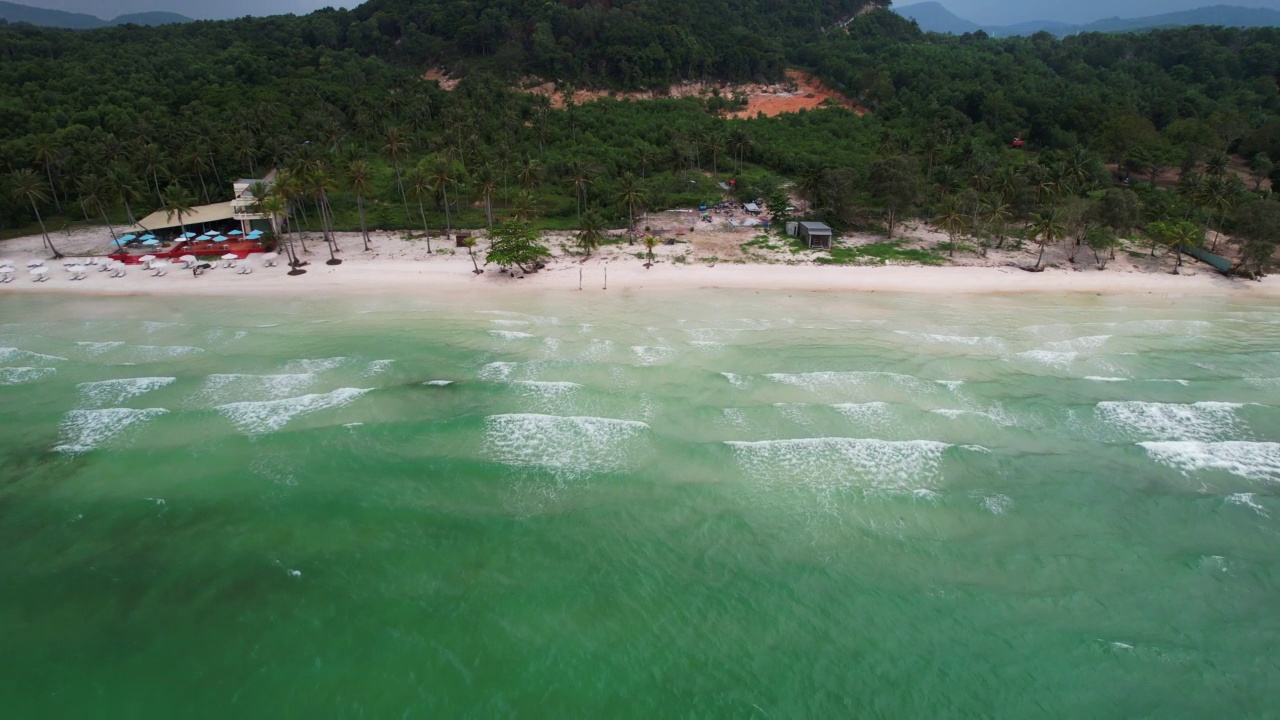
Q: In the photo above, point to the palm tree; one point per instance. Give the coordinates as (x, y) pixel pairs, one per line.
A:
(393, 150)
(321, 182)
(996, 216)
(470, 243)
(177, 201)
(94, 195)
(740, 144)
(487, 184)
(631, 196)
(152, 163)
(580, 176)
(715, 146)
(360, 177)
(951, 218)
(420, 188)
(442, 174)
(591, 231)
(48, 153)
(1047, 227)
(524, 205)
(28, 186)
(288, 187)
(650, 242)
(530, 173)
(123, 188)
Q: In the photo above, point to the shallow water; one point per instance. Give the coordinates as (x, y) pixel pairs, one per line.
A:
(696, 504)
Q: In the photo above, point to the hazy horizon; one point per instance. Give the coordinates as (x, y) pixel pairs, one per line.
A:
(986, 12)
(1006, 12)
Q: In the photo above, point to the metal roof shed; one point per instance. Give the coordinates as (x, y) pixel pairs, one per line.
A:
(816, 234)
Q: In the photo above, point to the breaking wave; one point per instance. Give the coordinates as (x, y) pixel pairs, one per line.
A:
(1170, 421)
(85, 430)
(255, 418)
(20, 375)
(842, 463)
(1251, 460)
(566, 446)
(115, 392)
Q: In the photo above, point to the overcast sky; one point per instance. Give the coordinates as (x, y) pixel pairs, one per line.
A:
(198, 9)
(987, 12)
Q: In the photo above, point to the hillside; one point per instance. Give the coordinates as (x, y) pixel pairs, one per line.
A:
(935, 17)
(629, 44)
(15, 13)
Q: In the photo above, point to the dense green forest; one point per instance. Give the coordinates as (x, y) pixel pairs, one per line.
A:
(112, 122)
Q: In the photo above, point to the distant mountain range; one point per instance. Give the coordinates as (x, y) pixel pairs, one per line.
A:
(15, 13)
(933, 17)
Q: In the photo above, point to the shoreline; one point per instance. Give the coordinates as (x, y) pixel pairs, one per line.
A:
(454, 273)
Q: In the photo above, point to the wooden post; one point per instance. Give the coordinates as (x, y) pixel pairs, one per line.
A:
(606, 277)
(579, 277)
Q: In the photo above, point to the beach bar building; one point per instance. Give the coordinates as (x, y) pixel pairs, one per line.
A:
(816, 234)
(216, 217)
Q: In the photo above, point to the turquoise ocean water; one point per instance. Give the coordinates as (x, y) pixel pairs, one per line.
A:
(696, 504)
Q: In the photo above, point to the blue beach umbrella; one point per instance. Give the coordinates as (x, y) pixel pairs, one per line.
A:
(150, 242)
(220, 239)
(235, 232)
(203, 237)
(188, 235)
(148, 236)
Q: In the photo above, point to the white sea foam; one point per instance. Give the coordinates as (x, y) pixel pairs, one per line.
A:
(152, 327)
(1166, 327)
(1248, 500)
(1088, 342)
(996, 504)
(156, 353)
(377, 367)
(510, 323)
(797, 413)
(546, 388)
(827, 464)
(981, 341)
(1170, 421)
(1095, 378)
(98, 348)
(951, 385)
(270, 415)
(438, 383)
(85, 430)
(867, 414)
(509, 335)
(828, 381)
(115, 392)
(652, 355)
(20, 375)
(496, 371)
(315, 365)
(597, 350)
(706, 344)
(1252, 460)
(228, 386)
(567, 446)
(1049, 357)
(735, 417)
(738, 381)
(8, 354)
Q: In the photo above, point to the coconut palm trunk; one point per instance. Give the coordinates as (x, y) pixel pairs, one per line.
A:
(44, 232)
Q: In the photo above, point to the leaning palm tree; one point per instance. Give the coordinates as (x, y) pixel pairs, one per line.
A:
(177, 201)
(123, 188)
(360, 178)
(650, 242)
(94, 195)
(420, 188)
(1046, 227)
(631, 197)
(470, 243)
(580, 177)
(288, 188)
(28, 186)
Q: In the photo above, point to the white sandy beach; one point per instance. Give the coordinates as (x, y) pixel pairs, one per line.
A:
(395, 266)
